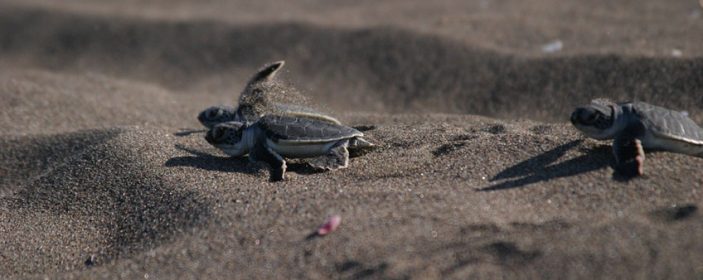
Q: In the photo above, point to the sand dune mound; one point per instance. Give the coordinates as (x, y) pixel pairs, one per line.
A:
(30, 157)
(372, 69)
(99, 187)
(46, 102)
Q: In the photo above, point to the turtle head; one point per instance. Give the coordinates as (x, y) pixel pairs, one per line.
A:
(228, 137)
(597, 120)
(216, 114)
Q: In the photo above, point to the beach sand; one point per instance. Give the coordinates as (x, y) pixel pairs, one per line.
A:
(478, 173)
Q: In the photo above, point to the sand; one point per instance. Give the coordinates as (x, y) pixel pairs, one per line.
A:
(478, 173)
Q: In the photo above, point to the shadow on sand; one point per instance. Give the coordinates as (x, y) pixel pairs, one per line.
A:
(541, 168)
(82, 176)
(210, 162)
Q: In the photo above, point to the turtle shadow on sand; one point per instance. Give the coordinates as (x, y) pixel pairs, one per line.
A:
(210, 162)
(541, 168)
(206, 161)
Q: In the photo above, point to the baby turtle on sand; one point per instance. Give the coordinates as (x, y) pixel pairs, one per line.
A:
(254, 102)
(636, 126)
(273, 138)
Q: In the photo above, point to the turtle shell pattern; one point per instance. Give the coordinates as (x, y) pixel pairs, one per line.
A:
(303, 130)
(668, 123)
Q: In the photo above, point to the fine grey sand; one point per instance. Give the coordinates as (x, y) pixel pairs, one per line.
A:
(478, 173)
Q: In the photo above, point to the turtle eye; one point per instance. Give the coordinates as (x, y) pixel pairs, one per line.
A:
(589, 116)
(214, 113)
(219, 132)
(592, 117)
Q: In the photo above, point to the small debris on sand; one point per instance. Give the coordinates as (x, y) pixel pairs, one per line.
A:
(90, 261)
(330, 225)
(553, 46)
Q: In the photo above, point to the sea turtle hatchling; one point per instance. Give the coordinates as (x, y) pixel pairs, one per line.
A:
(273, 138)
(636, 126)
(254, 103)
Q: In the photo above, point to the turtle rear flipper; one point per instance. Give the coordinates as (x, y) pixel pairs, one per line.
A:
(628, 150)
(336, 158)
(273, 159)
(359, 147)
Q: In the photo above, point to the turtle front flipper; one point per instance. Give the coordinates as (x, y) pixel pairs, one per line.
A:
(336, 158)
(254, 100)
(274, 160)
(628, 150)
(267, 72)
(629, 157)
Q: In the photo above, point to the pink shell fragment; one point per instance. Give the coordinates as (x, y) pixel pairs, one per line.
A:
(330, 225)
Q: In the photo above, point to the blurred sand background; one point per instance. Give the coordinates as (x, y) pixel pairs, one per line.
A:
(479, 175)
